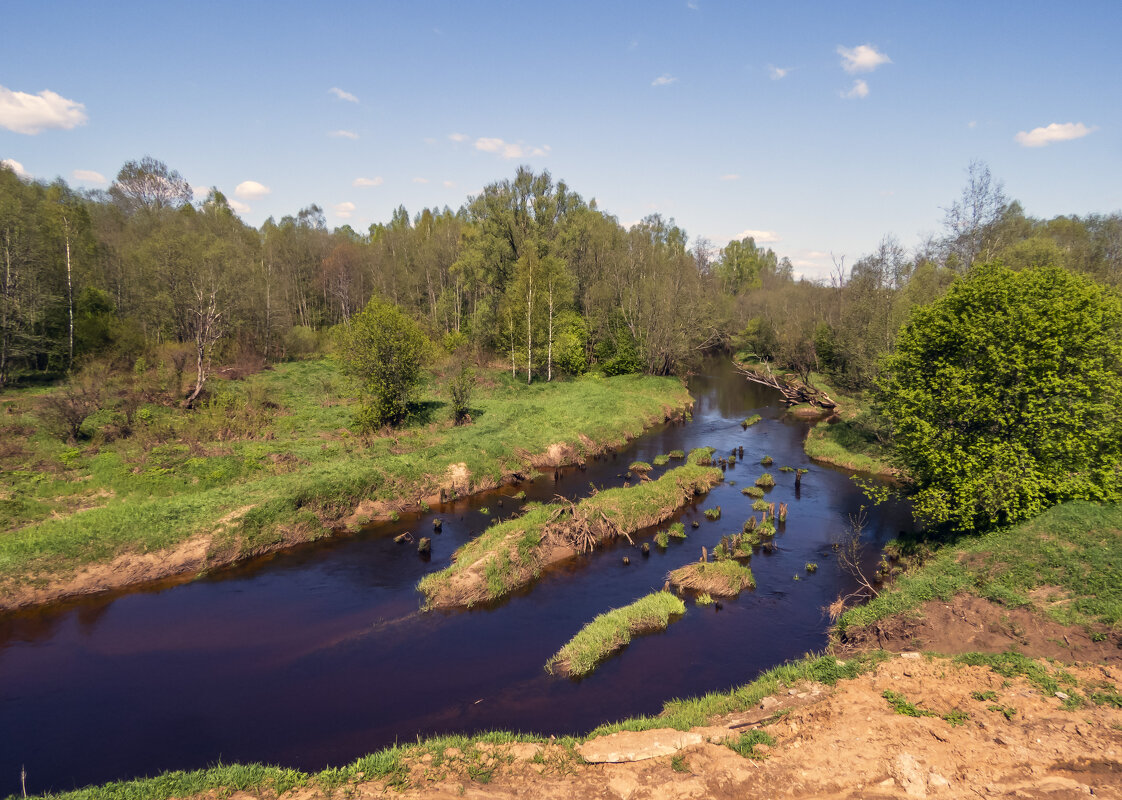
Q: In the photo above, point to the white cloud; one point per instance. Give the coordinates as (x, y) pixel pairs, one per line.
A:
(761, 237)
(449, 185)
(863, 58)
(777, 73)
(250, 190)
(350, 98)
(32, 113)
(665, 79)
(860, 89)
(732, 176)
(341, 134)
(972, 123)
(1056, 132)
(88, 176)
(237, 205)
(363, 183)
(458, 137)
(344, 210)
(509, 149)
(420, 180)
(691, 5)
(16, 167)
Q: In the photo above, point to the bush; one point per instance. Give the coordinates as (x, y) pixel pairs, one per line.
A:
(459, 391)
(300, 342)
(383, 348)
(1004, 396)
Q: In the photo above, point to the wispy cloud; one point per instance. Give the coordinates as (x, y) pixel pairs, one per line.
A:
(509, 149)
(664, 79)
(692, 5)
(341, 134)
(1056, 132)
(250, 190)
(339, 93)
(32, 113)
(761, 237)
(420, 180)
(15, 167)
(972, 124)
(860, 89)
(449, 185)
(732, 176)
(777, 73)
(458, 137)
(344, 210)
(364, 183)
(88, 176)
(863, 58)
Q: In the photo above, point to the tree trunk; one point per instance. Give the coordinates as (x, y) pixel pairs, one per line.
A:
(69, 294)
(549, 357)
(529, 319)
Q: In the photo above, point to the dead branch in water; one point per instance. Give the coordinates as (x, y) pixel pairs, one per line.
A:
(794, 390)
(569, 525)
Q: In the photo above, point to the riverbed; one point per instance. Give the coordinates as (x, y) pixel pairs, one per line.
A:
(321, 654)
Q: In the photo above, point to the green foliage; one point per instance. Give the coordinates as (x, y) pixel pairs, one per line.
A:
(460, 387)
(1074, 547)
(713, 514)
(384, 349)
(765, 481)
(661, 460)
(612, 631)
(1005, 396)
(745, 745)
(901, 705)
(752, 491)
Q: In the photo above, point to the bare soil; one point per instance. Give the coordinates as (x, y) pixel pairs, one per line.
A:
(967, 624)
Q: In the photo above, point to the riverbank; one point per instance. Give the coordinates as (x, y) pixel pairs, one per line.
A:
(271, 461)
(843, 435)
(875, 725)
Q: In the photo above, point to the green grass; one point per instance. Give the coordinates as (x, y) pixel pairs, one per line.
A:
(901, 705)
(765, 481)
(1075, 547)
(661, 460)
(693, 712)
(745, 744)
(279, 447)
(752, 491)
(509, 550)
(750, 421)
(851, 440)
(639, 466)
(612, 631)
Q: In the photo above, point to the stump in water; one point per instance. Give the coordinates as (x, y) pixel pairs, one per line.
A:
(646, 548)
(437, 524)
(424, 547)
(695, 524)
(740, 451)
(626, 561)
(798, 479)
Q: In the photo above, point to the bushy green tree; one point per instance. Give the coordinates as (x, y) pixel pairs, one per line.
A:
(384, 349)
(1006, 396)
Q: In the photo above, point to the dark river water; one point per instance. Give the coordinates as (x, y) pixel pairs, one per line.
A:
(321, 654)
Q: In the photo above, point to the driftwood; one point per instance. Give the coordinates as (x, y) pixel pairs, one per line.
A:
(569, 525)
(793, 389)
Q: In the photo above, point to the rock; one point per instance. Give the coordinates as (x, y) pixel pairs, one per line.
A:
(906, 771)
(937, 781)
(626, 746)
(911, 654)
(1061, 695)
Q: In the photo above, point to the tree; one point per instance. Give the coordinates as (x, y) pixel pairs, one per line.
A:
(148, 184)
(972, 222)
(384, 349)
(1005, 396)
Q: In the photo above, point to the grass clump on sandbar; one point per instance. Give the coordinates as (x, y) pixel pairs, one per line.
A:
(718, 578)
(513, 553)
(612, 631)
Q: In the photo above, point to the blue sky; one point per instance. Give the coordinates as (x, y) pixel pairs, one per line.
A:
(822, 126)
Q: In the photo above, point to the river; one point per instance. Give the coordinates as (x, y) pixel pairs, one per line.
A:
(319, 655)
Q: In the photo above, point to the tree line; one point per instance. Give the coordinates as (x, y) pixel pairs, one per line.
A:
(527, 271)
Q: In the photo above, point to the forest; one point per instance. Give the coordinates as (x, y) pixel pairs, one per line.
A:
(139, 277)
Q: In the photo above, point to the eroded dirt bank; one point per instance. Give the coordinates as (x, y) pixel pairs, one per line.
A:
(845, 741)
(220, 548)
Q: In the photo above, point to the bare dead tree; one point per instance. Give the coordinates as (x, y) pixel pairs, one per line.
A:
(208, 330)
(851, 550)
